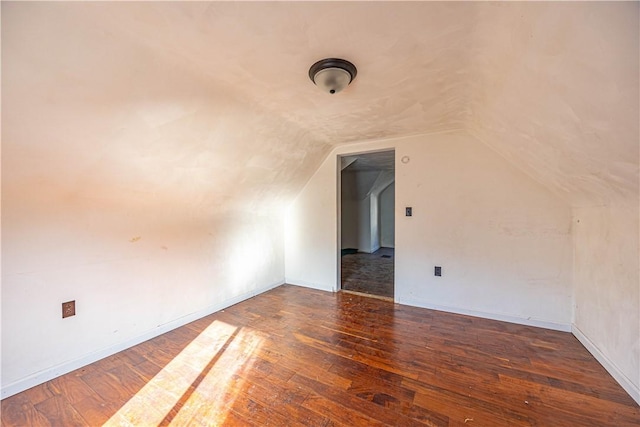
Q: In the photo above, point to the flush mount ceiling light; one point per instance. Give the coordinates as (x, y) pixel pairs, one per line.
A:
(332, 74)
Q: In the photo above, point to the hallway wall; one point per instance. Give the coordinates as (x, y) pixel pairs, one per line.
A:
(387, 217)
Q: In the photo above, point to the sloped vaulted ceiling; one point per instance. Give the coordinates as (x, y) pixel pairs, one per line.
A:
(210, 105)
(556, 91)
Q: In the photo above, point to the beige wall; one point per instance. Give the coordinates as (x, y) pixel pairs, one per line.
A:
(133, 272)
(502, 239)
(607, 288)
(125, 188)
(311, 233)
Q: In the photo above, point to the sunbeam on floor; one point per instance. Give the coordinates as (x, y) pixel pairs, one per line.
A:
(199, 385)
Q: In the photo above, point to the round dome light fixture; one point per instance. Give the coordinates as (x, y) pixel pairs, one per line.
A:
(332, 74)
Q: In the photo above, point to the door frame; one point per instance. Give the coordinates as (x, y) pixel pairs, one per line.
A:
(339, 157)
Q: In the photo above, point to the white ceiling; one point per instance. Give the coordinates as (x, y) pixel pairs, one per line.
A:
(209, 104)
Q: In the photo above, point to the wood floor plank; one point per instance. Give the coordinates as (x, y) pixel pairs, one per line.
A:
(116, 385)
(463, 409)
(581, 405)
(259, 414)
(59, 411)
(19, 411)
(39, 393)
(95, 410)
(352, 403)
(338, 413)
(369, 273)
(71, 387)
(278, 395)
(302, 357)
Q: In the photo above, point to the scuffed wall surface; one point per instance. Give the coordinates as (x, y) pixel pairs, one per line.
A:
(130, 271)
(130, 183)
(502, 239)
(607, 282)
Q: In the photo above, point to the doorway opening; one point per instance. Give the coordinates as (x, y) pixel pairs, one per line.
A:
(367, 223)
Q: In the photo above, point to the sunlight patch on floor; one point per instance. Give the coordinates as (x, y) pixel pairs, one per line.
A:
(199, 385)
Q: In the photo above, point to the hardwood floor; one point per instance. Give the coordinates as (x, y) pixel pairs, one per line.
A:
(369, 273)
(295, 356)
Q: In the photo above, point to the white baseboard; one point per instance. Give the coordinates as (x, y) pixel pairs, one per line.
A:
(493, 316)
(621, 378)
(311, 285)
(63, 368)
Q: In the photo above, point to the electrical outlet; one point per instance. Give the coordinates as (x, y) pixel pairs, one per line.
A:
(68, 309)
(437, 271)
(408, 211)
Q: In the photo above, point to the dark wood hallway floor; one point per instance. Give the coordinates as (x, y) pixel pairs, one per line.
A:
(369, 273)
(295, 356)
